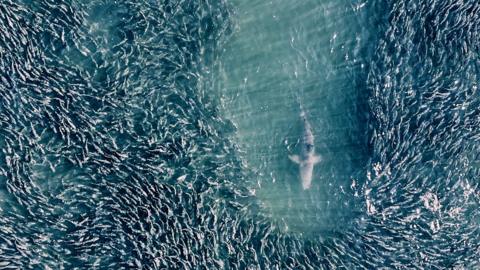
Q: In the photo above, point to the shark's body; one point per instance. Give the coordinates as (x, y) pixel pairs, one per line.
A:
(307, 158)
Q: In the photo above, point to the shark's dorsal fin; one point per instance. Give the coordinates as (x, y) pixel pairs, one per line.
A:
(294, 158)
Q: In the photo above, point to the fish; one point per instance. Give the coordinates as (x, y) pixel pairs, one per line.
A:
(307, 157)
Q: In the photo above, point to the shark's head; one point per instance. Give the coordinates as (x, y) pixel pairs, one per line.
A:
(306, 173)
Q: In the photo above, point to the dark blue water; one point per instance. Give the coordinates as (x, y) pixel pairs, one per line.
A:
(156, 134)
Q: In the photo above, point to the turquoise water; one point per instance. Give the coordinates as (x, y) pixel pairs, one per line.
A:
(156, 134)
(279, 56)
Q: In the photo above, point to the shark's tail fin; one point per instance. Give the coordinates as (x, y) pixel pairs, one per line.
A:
(300, 103)
(302, 110)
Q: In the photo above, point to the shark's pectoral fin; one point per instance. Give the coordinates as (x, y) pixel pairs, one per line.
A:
(294, 158)
(317, 159)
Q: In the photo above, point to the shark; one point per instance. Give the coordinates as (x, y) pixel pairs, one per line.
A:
(307, 157)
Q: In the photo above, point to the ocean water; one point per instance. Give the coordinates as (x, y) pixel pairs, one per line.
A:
(155, 134)
(283, 56)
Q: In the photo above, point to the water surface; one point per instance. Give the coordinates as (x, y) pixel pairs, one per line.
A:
(156, 134)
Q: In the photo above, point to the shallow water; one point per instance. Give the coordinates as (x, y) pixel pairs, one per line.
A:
(156, 134)
(283, 56)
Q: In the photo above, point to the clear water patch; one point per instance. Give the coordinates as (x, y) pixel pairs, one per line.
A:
(286, 56)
